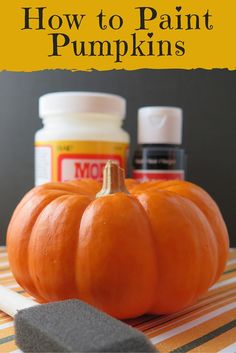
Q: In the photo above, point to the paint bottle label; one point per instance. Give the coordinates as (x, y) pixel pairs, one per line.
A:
(70, 160)
(155, 162)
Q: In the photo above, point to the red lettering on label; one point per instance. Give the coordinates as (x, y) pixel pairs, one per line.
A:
(84, 166)
(81, 170)
(89, 170)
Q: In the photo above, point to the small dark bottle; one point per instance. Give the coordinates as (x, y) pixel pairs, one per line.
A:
(159, 155)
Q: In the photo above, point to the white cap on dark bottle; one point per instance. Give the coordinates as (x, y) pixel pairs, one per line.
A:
(160, 125)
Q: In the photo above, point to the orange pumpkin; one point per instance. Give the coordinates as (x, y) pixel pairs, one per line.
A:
(154, 249)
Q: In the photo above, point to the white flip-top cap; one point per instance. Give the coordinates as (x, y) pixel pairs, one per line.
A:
(160, 125)
(81, 102)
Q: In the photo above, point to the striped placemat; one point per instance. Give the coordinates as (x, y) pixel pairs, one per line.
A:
(208, 326)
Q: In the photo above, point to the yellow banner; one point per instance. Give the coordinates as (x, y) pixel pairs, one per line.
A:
(106, 35)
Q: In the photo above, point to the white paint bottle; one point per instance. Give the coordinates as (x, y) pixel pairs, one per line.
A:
(81, 131)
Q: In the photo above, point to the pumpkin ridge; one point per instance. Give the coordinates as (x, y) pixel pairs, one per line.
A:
(61, 201)
(103, 250)
(44, 193)
(216, 248)
(166, 195)
(173, 192)
(216, 221)
(212, 246)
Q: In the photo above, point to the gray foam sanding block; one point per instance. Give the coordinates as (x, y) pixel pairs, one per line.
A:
(69, 326)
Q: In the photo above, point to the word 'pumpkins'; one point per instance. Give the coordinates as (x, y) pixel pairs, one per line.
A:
(155, 249)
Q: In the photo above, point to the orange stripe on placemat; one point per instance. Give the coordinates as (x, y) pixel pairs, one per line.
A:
(9, 346)
(210, 342)
(226, 282)
(7, 274)
(4, 265)
(7, 336)
(14, 286)
(188, 319)
(8, 280)
(214, 341)
(230, 348)
(230, 268)
(4, 318)
(188, 312)
(6, 325)
(197, 332)
(231, 260)
(3, 255)
(232, 253)
(7, 332)
(2, 315)
(147, 321)
(4, 269)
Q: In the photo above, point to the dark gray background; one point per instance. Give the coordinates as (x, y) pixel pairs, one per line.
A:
(207, 97)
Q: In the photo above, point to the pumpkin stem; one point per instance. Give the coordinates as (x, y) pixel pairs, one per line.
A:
(113, 180)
